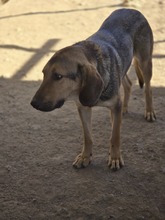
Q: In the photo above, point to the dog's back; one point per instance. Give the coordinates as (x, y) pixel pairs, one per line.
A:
(126, 32)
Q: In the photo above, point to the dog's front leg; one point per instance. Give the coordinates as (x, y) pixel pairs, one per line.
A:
(84, 158)
(115, 159)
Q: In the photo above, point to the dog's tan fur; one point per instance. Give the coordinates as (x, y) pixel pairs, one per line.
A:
(72, 74)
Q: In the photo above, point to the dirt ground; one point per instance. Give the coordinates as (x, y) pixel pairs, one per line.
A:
(37, 180)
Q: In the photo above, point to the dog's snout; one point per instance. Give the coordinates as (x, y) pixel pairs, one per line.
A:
(34, 103)
(46, 106)
(38, 104)
(42, 105)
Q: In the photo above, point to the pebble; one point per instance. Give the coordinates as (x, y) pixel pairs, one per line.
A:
(36, 127)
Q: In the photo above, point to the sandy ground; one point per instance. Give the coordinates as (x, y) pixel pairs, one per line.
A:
(37, 180)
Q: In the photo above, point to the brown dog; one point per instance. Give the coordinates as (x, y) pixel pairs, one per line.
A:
(91, 72)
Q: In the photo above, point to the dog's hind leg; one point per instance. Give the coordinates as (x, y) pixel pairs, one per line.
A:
(143, 48)
(138, 73)
(84, 158)
(127, 84)
(145, 68)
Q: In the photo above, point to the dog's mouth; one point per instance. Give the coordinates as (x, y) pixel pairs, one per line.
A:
(46, 106)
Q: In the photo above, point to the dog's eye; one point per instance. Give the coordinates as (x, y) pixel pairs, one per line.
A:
(57, 76)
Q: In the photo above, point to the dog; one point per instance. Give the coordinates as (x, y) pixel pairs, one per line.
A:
(91, 72)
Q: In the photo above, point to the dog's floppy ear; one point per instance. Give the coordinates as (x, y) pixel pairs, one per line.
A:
(91, 86)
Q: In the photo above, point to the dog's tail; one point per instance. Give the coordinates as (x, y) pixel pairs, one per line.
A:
(139, 73)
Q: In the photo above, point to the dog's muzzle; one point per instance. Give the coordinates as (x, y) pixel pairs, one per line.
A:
(46, 106)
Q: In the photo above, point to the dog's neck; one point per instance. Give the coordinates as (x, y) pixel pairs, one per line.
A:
(102, 62)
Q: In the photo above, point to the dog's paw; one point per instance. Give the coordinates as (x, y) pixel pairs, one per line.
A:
(124, 110)
(150, 116)
(82, 161)
(115, 164)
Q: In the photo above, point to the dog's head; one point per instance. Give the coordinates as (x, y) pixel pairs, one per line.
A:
(67, 75)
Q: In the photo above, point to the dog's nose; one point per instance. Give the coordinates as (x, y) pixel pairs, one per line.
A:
(46, 106)
(35, 103)
(41, 105)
